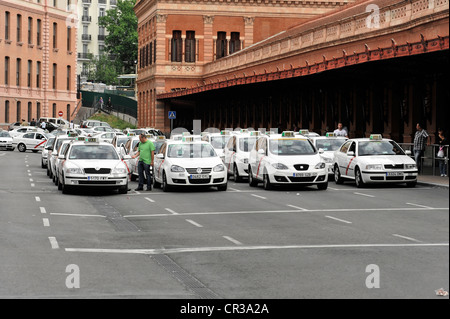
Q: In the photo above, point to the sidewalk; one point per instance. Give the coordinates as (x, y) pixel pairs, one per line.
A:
(433, 180)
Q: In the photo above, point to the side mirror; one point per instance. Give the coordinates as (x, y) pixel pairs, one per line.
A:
(408, 152)
(351, 153)
(262, 152)
(126, 157)
(61, 156)
(321, 151)
(160, 156)
(48, 148)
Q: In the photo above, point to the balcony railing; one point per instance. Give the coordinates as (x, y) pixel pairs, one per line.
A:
(113, 2)
(86, 56)
(87, 1)
(101, 37)
(86, 37)
(86, 18)
(102, 1)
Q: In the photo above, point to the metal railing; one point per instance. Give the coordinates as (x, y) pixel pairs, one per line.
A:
(86, 37)
(429, 162)
(82, 55)
(101, 37)
(87, 1)
(113, 2)
(86, 18)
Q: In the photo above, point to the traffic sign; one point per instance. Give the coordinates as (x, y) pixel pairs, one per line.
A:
(172, 115)
(60, 113)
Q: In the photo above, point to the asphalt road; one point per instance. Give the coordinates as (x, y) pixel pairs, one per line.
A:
(240, 244)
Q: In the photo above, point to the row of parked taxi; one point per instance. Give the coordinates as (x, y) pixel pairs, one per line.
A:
(210, 159)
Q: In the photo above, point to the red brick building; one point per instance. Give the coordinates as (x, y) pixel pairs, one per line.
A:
(178, 38)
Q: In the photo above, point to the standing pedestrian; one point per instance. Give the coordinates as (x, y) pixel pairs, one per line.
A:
(146, 153)
(421, 139)
(43, 125)
(443, 146)
(101, 103)
(109, 105)
(341, 131)
(33, 122)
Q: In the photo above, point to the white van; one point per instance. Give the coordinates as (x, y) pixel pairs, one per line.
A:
(56, 120)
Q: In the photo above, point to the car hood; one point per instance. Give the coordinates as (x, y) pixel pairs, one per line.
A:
(196, 162)
(96, 163)
(387, 159)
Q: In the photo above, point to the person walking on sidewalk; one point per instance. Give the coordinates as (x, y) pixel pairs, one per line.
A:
(421, 139)
(146, 153)
(443, 145)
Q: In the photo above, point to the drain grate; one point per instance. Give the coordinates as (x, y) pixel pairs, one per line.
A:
(184, 277)
(113, 216)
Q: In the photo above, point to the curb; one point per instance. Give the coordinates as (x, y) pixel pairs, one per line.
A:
(432, 184)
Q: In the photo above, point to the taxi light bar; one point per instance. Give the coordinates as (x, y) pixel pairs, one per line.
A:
(330, 134)
(376, 137)
(186, 134)
(244, 131)
(160, 137)
(255, 133)
(304, 132)
(188, 139)
(148, 135)
(288, 134)
(225, 132)
(92, 140)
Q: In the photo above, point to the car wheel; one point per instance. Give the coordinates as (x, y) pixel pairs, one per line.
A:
(133, 177)
(48, 172)
(222, 188)
(236, 176)
(358, 178)
(337, 175)
(65, 189)
(322, 186)
(165, 185)
(59, 185)
(155, 183)
(21, 147)
(34, 151)
(251, 181)
(123, 189)
(267, 184)
(42, 164)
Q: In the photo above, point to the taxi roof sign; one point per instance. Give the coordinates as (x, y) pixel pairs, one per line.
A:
(330, 134)
(255, 133)
(244, 131)
(376, 137)
(288, 134)
(186, 134)
(303, 132)
(225, 132)
(188, 139)
(160, 137)
(92, 140)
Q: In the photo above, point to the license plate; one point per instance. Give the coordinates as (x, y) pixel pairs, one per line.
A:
(199, 176)
(96, 178)
(394, 174)
(304, 174)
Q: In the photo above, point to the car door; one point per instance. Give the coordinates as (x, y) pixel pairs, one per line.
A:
(261, 154)
(348, 160)
(39, 141)
(230, 149)
(341, 157)
(28, 140)
(157, 169)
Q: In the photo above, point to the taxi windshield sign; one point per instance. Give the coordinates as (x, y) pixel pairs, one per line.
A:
(376, 137)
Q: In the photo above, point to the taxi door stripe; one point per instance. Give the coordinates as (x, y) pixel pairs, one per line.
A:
(231, 160)
(40, 144)
(259, 166)
(346, 171)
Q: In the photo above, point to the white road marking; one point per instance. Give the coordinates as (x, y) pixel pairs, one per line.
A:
(390, 209)
(193, 223)
(53, 242)
(76, 215)
(363, 194)
(242, 248)
(137, 192)
(171, 211)
(31, 180)
(29, 174)
(296, 207)
(234, 189)
(28, 171)
(407, 238)
(2, 154)
(32, 185)
(340, 220)
(257, 196)
(43, 211)
(27, 165)
(422, 206)
(150, 200)
(234, 241)
(46, 222)
(37, 199)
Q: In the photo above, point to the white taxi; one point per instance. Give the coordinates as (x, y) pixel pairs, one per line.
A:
(88, 162)
(25, 129)
(48, 145)
(6, 141)
(329, 143)
(130, 148)
(53, 154)
(237, 152)
(218, 141)
(33, 141)
(188, 163)
(286, 159)
(374, 160)
(58, 161)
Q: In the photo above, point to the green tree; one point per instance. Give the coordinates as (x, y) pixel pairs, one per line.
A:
(121, 24)
(102, 69)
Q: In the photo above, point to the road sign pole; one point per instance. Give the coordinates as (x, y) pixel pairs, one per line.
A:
(171, 126)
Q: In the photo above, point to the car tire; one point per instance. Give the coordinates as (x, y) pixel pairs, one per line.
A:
(34, 151)
(123, 189)
(21, 147)
(59, 185)
(48, 172)
(337, 175)
(267, 184)
(42, 164)
(358, 178)
(251, 181)
(64, 188)
(156, 184)
(165, 185)
(133, 177)
(222, 188)
(322, 186)
(236, 176)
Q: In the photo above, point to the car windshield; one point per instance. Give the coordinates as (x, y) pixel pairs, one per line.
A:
(379, 148)
(246, 144)
(329, 144)
(51, 141)
(219, 142)
(287, 147)
(60, 141)
(122, 140)
(158, 145)
(191, 151)
(4, 134)
(95, 152)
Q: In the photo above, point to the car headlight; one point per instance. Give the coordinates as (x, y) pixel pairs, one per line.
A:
(320, 165)
(119, 171)
(176, 169)
(327, 159)
(280, 166)
(410, 166)
(219, 168)
(74, 170)
(374, 167)
(244, 160)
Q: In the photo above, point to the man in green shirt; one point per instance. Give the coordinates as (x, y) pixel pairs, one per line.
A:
(146, 153)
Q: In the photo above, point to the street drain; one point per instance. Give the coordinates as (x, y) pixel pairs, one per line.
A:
(184, 277)
(113, 216)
